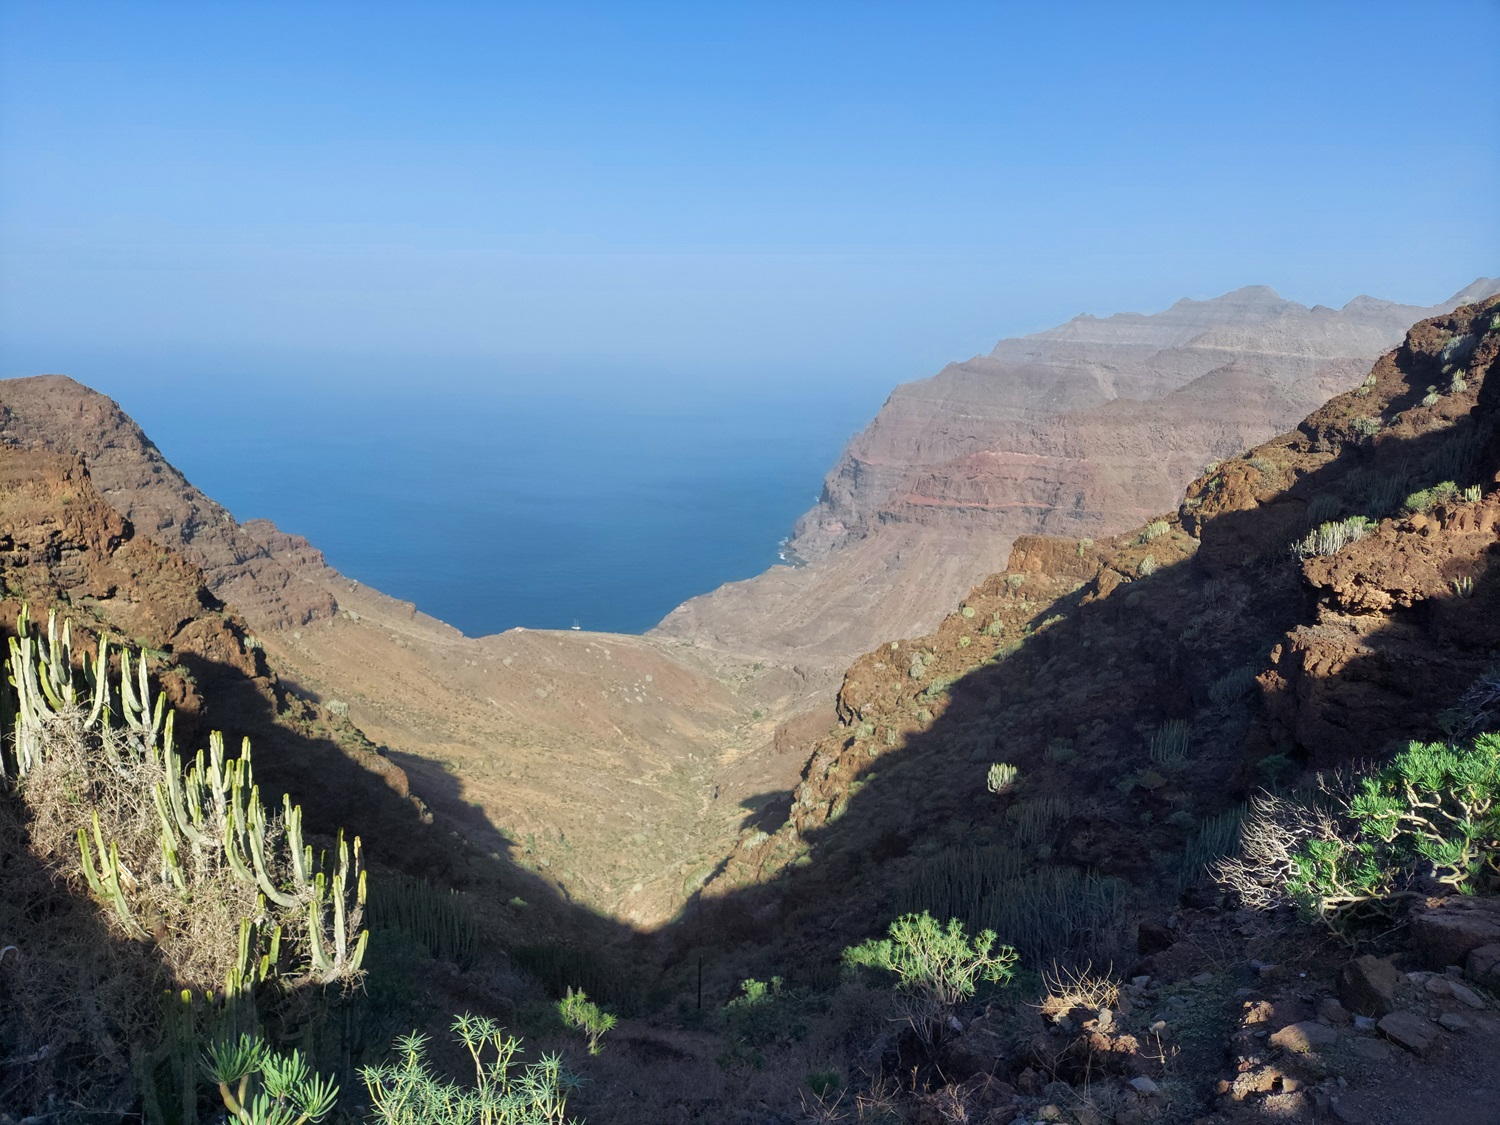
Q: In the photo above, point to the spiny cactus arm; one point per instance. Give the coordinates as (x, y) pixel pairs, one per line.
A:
(130, 706)
(42, 674)
(232, 852)
(171, 864)
(103, 875)
(300, 855)
(99, 685)
(317, 955)
(255, 836)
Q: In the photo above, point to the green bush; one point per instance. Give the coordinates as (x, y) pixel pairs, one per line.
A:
(289, 1092)
(407, 1092)
(582, 1014)
(1442, 493)
(936, 966)
(764, 1013)
(1153, 530)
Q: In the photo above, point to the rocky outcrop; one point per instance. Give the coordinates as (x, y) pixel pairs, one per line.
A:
(1140, 682)
(240, 564)
(63, 546)
(1083, 430)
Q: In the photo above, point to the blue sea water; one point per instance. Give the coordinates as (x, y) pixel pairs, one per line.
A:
(491, 509)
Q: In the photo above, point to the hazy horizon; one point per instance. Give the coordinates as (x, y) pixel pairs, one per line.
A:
(500, 194)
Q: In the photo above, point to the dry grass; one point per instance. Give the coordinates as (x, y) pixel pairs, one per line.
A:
(77, 1002)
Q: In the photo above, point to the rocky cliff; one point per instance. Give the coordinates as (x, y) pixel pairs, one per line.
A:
(1083, 430)
(1316, 601)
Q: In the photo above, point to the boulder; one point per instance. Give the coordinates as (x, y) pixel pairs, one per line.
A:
(1409, 1030)
(975, 1050)
(1483, 965)
(1331, 1011)
(1447, 933)
(1367, 985)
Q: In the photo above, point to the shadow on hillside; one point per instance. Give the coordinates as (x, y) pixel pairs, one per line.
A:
(1075, 708)
(344, 782)
(72, 995)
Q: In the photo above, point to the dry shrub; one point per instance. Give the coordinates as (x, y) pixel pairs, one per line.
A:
(1070, 988)
(1273, 831)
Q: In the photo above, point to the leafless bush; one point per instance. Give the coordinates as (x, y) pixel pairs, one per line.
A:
(1274, 829)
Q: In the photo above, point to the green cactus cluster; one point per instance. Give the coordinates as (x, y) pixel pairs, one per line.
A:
(438, 919)
(306, 923)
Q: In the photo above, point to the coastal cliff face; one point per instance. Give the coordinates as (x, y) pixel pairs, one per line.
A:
(1272, 653)
(1083, 430)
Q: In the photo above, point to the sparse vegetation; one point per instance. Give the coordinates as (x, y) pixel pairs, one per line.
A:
(1334, 536)
(1432, 816)
(1169, 743)
(1153, 530)
(1365, 426)
(1442, 493)
(408, 1092)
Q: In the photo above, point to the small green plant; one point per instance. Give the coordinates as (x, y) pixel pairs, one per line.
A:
(1442, 493)
(582, 1014)
(1153, 530)
(764, 1013)
(1472, 494)
(1458, 384)
(936, 966)
(1463, 587)
(289, 1092)
(1148, 566)
(407, 1092)
(1432, 397)
(1002, 777)
(1365, 426)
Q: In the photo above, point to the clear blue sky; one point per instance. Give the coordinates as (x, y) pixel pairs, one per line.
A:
(767, 192)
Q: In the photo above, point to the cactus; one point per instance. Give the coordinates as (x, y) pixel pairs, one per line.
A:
(437, 919)
(211, 822)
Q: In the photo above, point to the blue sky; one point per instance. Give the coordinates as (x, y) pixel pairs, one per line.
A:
(756, 195)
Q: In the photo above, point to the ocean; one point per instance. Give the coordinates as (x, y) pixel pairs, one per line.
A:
(492, 509)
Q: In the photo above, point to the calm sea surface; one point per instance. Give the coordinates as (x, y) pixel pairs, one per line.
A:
(491, 510)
